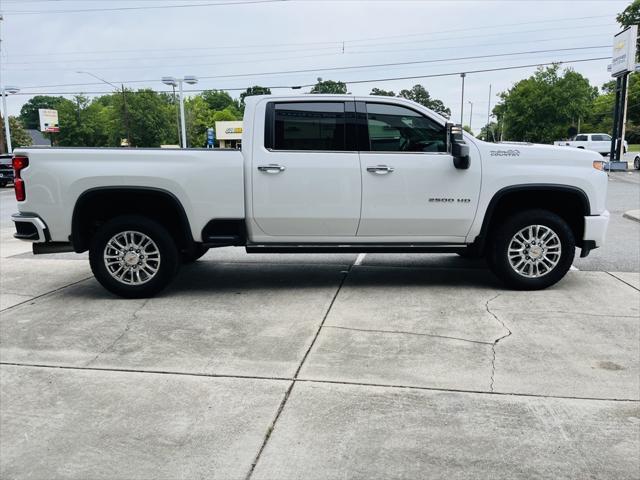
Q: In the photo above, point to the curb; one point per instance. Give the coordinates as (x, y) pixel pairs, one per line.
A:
(632, 215)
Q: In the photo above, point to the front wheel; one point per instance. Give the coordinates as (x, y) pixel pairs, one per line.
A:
(532, 250)
(133, 256)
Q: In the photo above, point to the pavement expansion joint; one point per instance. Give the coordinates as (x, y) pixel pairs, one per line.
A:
(402, 332)
(50, 292)
(619, 279)
(345, 274)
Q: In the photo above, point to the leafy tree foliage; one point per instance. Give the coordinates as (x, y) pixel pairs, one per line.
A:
(255, 90)
(420, 95)
(19, 136)
(329, 86)
(384, 93)
(217, 99)
(490, 134)
(543, 107)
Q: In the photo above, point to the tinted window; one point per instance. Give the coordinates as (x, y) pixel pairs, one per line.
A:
(398, 129)
(581, 138)
(601, 138)
(309, 126)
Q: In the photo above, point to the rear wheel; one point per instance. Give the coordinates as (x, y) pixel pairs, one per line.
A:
(636, 163)
(133, 256)
(531, 250)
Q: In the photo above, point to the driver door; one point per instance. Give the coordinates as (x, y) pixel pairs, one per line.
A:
(410, 186)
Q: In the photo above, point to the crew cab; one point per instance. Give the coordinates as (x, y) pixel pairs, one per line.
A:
(596, 142)
(316, 173)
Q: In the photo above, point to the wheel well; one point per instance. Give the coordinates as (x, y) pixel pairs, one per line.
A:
(95, 207)
(569, 203)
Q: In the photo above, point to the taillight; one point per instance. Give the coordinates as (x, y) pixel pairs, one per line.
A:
(19, 163)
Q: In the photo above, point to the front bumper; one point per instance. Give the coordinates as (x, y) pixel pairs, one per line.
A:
(595, 228)
(30, 227)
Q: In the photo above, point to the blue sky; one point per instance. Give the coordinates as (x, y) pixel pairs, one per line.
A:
(42, 52)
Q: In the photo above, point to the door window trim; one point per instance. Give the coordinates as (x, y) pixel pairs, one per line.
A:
(349, 125)
(364, 141)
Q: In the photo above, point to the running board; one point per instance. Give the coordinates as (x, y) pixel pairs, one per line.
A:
(356, 248)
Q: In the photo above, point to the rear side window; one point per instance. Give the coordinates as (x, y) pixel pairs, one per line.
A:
(309, 126)
(601, 138)
(581, 138)
(398, 129)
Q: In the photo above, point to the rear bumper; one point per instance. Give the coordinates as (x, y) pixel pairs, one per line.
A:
(595, 228)
(30, 228)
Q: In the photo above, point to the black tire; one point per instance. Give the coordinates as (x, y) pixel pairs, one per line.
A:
(636, 163)
(167, 266)
(3, 184)
(497, 249)
(197, 252)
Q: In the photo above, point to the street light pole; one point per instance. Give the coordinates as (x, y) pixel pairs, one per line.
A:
(7, 129)
(173, 82)
(470, 115)
(462, 75)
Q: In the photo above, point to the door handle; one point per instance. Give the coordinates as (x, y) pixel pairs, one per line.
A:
(271, 168)
(380, 169)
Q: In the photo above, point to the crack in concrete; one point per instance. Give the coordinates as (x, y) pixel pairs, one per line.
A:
(621, 280)
(50, 292)
(495, 342)
(402, 332)
(133, 317)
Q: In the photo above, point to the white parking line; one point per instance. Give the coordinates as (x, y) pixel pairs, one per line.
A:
(574, 268)
(360, 259)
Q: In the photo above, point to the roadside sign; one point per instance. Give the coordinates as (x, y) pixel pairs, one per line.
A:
(211, 137)
(48, 120)
(623, 59)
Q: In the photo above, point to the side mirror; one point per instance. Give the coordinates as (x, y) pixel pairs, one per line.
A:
(457, 147)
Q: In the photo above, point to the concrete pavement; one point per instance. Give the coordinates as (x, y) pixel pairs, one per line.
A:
(310, 366)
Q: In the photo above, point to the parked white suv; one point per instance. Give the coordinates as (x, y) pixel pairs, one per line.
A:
(317, 173)
(596, 142)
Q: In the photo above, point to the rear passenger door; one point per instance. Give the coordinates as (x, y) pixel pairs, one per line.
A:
(306, 178)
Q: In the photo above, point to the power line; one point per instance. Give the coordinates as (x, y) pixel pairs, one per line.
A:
(320, 69)
(351, 82)
(152, 7)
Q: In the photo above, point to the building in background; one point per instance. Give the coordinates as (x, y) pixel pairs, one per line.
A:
(229, 134)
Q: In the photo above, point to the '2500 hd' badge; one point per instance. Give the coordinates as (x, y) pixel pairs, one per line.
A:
(449, 200)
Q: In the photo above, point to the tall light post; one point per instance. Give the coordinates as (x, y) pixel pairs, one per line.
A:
(7, 130)
(470, 115)
(462, 75)
(177, 82)
(124, 101)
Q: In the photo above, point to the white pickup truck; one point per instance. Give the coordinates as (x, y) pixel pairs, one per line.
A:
(596, 142)
(317, 173)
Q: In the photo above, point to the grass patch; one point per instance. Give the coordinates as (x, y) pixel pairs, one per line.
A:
(634, 147)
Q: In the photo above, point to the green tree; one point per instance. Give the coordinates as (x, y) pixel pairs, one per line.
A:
(384, 93)
(467, 129)
(19, 136)
(329, 86)
(491, 134)
(255, 90)
(29, 111)
(543, 107)
(420, 95)
(217, 99)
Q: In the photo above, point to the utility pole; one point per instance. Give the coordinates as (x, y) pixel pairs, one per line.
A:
(488, 115)
(471, 116)
(462, 75)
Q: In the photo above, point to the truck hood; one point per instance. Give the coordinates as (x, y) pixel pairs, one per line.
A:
(538, 153)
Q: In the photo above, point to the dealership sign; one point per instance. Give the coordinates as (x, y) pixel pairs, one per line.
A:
(48, 120)
(624, 51)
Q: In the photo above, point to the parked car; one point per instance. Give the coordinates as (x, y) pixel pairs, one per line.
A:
(316, 173)
(6, 170)
(597, 142)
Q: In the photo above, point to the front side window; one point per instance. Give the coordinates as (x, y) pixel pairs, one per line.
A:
(309, 126)
(398, 129)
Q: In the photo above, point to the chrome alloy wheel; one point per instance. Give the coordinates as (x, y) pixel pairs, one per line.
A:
(132, 257)
(534, 251)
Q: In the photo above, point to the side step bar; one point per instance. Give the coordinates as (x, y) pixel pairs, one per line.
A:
(355, 248)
